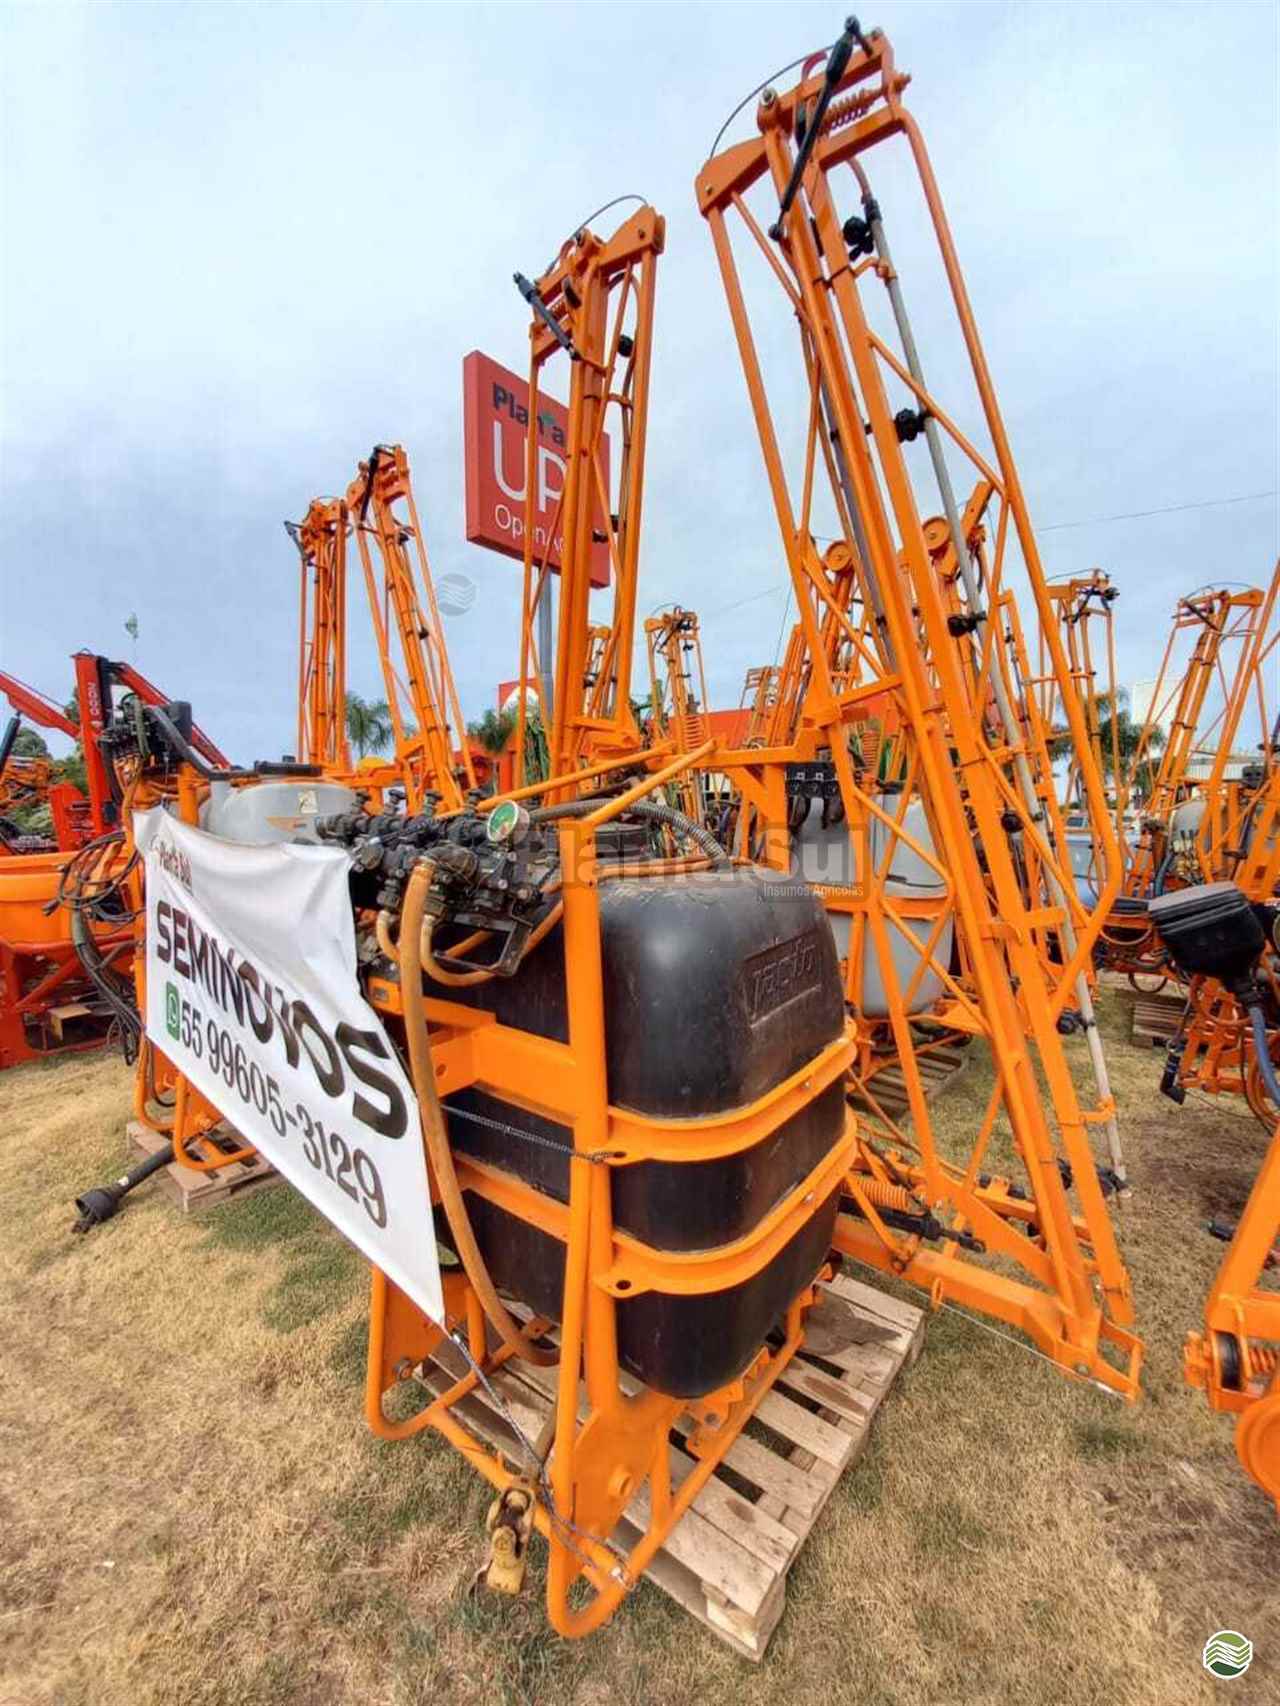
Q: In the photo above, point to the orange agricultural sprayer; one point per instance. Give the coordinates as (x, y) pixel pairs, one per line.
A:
(65, 968)
(1223, 936)
(1215, 682)
(623, 1052)
(431, 752)
(960, 902)
(594, 304)
(678, 696)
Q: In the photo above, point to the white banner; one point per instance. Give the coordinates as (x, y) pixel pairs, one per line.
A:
(252, 993)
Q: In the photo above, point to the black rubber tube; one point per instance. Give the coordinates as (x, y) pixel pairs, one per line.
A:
(1258, 1024)
(189, 755)
(648, 809)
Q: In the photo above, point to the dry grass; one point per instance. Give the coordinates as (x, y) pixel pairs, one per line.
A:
(191, 1510)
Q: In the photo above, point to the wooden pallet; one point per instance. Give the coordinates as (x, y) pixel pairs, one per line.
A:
(1156, 1018)
(728, 1558)
(193, 1190)
(937, 1070)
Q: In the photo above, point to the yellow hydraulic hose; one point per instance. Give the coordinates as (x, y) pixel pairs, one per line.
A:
(422, 1070)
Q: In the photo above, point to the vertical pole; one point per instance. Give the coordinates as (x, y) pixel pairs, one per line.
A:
(547, 648)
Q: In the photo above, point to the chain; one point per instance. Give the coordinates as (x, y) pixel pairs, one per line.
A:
(598, 1156)
(996, 1332)
(563, 1526)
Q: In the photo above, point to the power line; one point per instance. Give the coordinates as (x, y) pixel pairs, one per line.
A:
(1053, 527)
(1168, 509)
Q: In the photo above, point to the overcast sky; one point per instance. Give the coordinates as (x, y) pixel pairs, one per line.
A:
(243, 243)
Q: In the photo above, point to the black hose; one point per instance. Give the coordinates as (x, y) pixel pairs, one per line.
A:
(95, 966)
(1262, 1050)
(653, 813)
(183, 747)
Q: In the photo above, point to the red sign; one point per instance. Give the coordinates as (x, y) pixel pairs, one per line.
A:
(495, 427)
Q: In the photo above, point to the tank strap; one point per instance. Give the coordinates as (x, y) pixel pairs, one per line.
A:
(599, 1157)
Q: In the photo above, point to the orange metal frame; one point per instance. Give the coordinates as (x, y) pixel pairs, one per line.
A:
(321, 538)
(974, 765)
(1201, 702)
(1236, 1360)
(678, 697)
(432, 755)
(609, 1451)
(1082, 607)
(759, 696)
(596, 306)
(40, 970)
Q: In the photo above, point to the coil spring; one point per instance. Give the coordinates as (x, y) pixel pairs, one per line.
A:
(1263, 1359)
(881, 1194)
(846, 110)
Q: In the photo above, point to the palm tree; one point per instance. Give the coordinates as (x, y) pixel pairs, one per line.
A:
(368, 724)
(494, 730)
(1118, 732)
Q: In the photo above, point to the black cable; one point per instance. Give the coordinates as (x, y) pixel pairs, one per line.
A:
(1262, 1050)
(666, 815)
(761, 87)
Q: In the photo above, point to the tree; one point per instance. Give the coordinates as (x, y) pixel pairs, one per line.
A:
(1118, 732)
(30, 743)
(72, 769)
(494, 730)
(368, 724)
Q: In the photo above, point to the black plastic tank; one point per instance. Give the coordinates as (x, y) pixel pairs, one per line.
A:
(718, 985)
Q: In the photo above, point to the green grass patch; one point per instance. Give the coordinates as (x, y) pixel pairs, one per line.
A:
(862, 1489)
(947, 1531)
(322, 1270)
(262, 1219)
(1100, 1441)
(349, 1355)
(528, 1663)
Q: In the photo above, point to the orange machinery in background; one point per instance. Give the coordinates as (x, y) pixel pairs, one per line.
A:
(74, 819)
(759, 696)
(64, 969)
(43, 989)
(1200, 702)
(590, 720)
(678, 698)
(321, 538)
(1224, 938)
(1083, 609)
(432, 754)
(25, 779)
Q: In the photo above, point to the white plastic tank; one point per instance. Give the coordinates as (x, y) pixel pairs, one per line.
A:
(1185, 820)
(825, 856)
(271, 811)
(1084, 866)
(1184, 826)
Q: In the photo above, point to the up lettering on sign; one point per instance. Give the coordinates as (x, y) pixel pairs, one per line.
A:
(495, 422)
